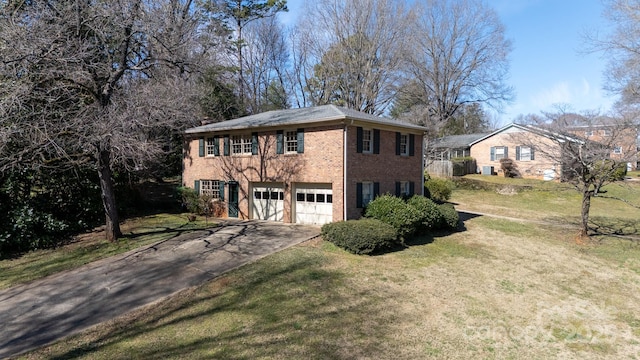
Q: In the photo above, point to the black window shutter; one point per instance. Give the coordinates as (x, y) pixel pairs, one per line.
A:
(412, 188)
(517, 153)
(398, 135)
(359, 139)
(376, 189)
(506, 152)
(493, 153)
(359, 195)
(254, 143)
(196, 186)
(221, 185)
(412, 143)
(226, 146)
(300, 135)
(216, 145)
(532, 157)
(398, 188)
(201, 147)
(280, 142)
(376, 141)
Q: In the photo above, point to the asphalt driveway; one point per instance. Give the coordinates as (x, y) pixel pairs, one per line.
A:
(46, 310)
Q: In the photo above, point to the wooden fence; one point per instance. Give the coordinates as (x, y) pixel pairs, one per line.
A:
(447, 168)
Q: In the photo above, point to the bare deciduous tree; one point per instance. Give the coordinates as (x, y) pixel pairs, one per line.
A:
(352, 52)
(458, 55)
(96, 83)
(591, 150)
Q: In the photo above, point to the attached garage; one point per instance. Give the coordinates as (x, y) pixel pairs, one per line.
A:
(268, 202)
(314, 203)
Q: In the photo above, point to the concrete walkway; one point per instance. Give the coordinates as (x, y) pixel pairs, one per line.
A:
(46, 310)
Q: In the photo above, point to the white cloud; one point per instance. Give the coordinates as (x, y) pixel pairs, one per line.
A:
(557, 94)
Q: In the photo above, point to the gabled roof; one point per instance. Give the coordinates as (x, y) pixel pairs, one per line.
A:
(301, 116)
(535, 130)
(457, 141)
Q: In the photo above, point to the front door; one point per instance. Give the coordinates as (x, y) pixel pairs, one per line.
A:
(233, 199)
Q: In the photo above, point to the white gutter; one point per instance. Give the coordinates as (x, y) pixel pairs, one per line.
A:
(344, 172)
(424, 145)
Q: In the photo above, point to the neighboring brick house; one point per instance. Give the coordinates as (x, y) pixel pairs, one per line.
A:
(624, 140)
(310, 165)
(515, 141)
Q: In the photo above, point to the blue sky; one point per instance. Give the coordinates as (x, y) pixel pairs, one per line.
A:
(548, 62)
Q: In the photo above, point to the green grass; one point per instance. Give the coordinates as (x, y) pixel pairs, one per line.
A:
(92, 246)
(470, 294)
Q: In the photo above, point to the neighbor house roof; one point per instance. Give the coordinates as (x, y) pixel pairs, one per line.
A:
(301, 116)
(535, 130)
(457, 141)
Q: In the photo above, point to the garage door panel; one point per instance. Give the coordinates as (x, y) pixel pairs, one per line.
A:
(268, 203)
(314, 205)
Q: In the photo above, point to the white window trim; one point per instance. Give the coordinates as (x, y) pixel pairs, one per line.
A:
(368, 141)
(522, 158)
(211, 188)
(617, 150)
(367, 188)
(244, 142)
(404, 141)
(290, 142)
(497, 156)
(405, 188)
(209, 146)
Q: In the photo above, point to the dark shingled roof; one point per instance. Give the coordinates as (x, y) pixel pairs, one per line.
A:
(299, 116)
(457, 141)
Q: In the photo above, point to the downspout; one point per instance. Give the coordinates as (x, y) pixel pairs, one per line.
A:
(424, 146)
(344, 172)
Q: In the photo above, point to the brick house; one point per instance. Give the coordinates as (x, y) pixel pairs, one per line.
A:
(309, 165)
(624, 140)
(515, 141)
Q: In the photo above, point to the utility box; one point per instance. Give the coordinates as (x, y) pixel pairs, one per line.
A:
(487, 170)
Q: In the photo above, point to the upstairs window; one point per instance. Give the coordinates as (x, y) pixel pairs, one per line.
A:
(241, 145)
(404, 144)
(291, 141)
(210, 146)
(367, 141)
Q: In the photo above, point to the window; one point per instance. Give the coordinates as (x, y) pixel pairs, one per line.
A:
(499, 152)
(367, 141)
(606, 132)
(241, 145)
(588, 133)
(617, 149)
(210, 188)
(405, 189)
(524, 153)
(367, 193)
(291, 142)
(210, 146)
(404, 144)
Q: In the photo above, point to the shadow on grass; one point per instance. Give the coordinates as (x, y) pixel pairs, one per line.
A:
(269, 307)
(615, 227)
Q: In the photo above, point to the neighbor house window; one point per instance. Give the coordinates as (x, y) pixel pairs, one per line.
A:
(606, 132)
(499, 152)
(291, 141)
(241, 145)
(210, 188)
(405, 188)
(210, 146)
(617, 149)
(588, 133)
(404, 144)
(524, 153)
(367, 141)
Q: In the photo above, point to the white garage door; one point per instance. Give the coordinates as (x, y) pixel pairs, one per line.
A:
(314, 205)
(268, 202)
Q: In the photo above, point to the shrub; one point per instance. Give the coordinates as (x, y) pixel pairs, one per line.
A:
(395, 212)
(438, 189)
(363, 236)
(509, 168)
(448, 217)
(429, 213)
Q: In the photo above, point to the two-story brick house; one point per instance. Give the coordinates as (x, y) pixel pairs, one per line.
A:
(310, 165)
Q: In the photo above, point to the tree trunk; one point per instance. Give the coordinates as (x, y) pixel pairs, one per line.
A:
(112, 229)
(586, 204)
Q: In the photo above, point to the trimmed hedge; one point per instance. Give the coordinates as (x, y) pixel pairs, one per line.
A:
(363, 236)
(448, 217)
(430, 216)
(438, 190)
(395, 212)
